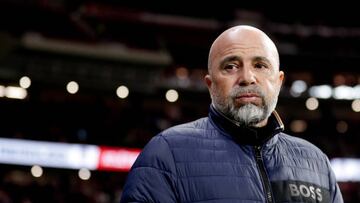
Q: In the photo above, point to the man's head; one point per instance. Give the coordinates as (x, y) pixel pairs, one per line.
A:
(244, 80)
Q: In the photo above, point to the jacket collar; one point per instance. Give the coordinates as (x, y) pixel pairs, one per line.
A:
(246, 135)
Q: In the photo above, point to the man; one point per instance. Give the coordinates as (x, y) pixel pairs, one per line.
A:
(239, 152)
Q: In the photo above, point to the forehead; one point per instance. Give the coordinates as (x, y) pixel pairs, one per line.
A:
(243, 44)
(244, 49)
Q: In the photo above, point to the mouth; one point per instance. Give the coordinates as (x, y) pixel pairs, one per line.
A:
(248, 98)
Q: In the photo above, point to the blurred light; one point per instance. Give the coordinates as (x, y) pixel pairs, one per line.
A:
(62, 155)
(342, 127)
(346, 169)
(321, 91)
(182, 73)
(2, 91)
(312, 103)
(122, 91)
(356, 92)
(355, 105)
(298, 87)
(72, 87)
(84, 174)
(172, 95)
(36, 171)
(15, 92)
(24, 82)
(343, 92)
(298, 126)
(117, 159)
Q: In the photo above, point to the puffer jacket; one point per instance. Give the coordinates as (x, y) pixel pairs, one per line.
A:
(214, 160)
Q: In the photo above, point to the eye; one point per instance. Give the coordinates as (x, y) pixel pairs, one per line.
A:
(260, 65)
(231, 67)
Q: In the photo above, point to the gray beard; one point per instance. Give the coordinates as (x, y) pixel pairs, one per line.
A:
(248, 114)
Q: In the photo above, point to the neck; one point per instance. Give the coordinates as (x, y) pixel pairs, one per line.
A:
(261, 123)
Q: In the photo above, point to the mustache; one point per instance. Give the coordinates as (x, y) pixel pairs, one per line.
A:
(237, 91)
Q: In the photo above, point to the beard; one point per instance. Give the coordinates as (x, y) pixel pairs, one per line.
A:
(248, 114)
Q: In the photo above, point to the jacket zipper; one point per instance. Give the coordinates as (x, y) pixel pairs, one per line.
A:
(264, 177)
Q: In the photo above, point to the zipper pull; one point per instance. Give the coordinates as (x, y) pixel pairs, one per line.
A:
(258, 152)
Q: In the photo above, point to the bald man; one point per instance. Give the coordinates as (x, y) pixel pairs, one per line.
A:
(239, 153)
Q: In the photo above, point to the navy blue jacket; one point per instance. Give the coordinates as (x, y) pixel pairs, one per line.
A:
(214, 160)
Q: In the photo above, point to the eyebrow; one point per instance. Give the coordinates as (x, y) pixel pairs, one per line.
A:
(238, 58)
(228, 59)
(261, 58)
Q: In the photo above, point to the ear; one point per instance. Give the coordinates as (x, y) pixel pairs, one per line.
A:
(281, 77)
(208, 81)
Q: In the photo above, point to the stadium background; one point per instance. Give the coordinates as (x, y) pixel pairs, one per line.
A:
(148, 50)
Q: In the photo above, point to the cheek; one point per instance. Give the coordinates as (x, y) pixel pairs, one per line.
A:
(222, 87)
(271, 88)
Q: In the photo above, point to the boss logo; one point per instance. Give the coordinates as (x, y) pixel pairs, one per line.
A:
(306, 191)
(299, 191)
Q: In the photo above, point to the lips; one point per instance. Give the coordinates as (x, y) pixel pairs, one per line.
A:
(248, 98)
(247, 95)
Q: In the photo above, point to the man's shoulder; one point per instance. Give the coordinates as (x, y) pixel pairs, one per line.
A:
(177, 134)
(300, 145)
(196, 127)
(160, 148)
(191, 133)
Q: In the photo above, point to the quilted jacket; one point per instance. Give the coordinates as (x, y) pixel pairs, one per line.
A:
(215, 160)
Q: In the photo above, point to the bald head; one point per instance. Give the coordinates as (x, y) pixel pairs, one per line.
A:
(243, 37)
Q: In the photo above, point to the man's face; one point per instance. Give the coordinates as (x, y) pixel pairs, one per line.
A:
(244, 80)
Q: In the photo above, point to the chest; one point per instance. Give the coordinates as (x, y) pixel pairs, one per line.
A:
(236, 174)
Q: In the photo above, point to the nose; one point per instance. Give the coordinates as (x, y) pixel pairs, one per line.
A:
(246, 76)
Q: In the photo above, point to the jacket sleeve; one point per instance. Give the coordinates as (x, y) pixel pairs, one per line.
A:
(335, 192)
(152, 178)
